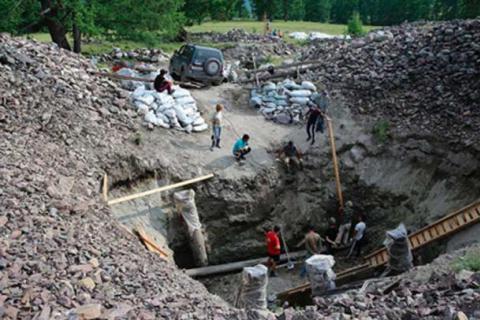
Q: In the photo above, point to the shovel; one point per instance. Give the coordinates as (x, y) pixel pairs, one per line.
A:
(290, 264)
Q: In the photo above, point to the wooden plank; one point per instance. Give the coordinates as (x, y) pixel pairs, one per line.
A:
(149, 242)
(105, 187)
(161, 189)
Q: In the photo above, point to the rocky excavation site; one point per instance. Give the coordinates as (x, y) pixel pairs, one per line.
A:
(404, 108)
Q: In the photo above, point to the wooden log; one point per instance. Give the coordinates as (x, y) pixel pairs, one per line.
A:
(161, 189)
(234, 266)
(282, 75)
(335, 162)
(105, 187)
(120, 77)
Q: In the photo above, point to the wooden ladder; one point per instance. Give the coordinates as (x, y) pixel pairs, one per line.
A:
(441, 228)
(444, 227)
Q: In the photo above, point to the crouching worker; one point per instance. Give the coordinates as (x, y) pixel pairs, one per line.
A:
(161, 83)
(241, 148)
(291, 156)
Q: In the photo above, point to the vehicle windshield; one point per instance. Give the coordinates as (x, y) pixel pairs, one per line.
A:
(203, 54)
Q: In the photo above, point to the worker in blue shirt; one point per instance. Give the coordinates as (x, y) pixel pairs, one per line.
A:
(241, 148)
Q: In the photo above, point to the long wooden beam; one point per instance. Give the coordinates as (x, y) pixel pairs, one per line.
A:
(335, 162)
(161, 189)
(287, 66)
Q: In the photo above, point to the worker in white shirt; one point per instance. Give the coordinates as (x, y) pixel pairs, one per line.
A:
(216, 126)
(358, 237)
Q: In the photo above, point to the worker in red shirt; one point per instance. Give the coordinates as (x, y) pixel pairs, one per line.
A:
(273, 249)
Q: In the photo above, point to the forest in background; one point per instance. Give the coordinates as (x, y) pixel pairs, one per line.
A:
(166, 19)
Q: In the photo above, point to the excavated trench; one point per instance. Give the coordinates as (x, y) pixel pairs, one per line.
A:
(411, 179)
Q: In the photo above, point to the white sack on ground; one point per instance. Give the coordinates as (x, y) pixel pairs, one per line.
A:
(253, 291)
(320, 273)
(398, 248)
(287, 104)
(185, 205)
(178, 110)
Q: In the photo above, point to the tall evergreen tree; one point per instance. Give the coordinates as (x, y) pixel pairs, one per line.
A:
(318, 10)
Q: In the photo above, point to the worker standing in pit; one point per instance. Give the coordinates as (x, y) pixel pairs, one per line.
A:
(313, 245)
(291, 155)
(273, 249)
(331, 235)
(343, 236)
(358, 237)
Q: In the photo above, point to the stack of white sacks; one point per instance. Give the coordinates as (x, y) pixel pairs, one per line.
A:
(284, 102)
(178, 110)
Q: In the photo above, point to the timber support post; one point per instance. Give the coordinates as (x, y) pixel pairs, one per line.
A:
(335, 162)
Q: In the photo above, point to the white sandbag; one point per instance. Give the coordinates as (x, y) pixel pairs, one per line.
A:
(163, 98)
(253, 292)
(140, 91)
(282, 118)
(299, 93)
(181, 116)
(154, 106)
(188, 128)
(270, 105)
(300, 100)
(399, 249)
(255, 102)
(308, 86)
(291, 85)
(199, 121)
(150, 117)
(164, 107)
(180, 93)
(200, 128)
(141, 107)
(170, 113)
(320, 273)
(146, 99)
(265, 110)
(269, 86)
(282, 103)
(185, 100)
(268, 99)
(163, 117)
(189, 111)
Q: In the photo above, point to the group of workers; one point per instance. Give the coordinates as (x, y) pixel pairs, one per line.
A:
(350, 234)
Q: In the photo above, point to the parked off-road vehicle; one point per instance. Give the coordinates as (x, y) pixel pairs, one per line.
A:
(192, 62)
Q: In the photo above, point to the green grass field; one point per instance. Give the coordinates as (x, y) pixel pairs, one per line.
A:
(104, 46)
(258, 26)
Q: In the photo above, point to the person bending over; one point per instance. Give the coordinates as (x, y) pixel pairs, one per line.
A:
(290, 155)
(241, 148)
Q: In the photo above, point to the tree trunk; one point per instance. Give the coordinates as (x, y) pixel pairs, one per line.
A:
(285, 10)
(77, 37)
(55, 27)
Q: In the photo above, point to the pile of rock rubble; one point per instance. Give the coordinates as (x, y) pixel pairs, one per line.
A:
(427, 292)
(235, 35)
(284, 102)
(141, 54)
(61, 254)
(420, 77)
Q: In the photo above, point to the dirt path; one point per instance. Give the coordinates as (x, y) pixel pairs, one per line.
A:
(239, 119)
